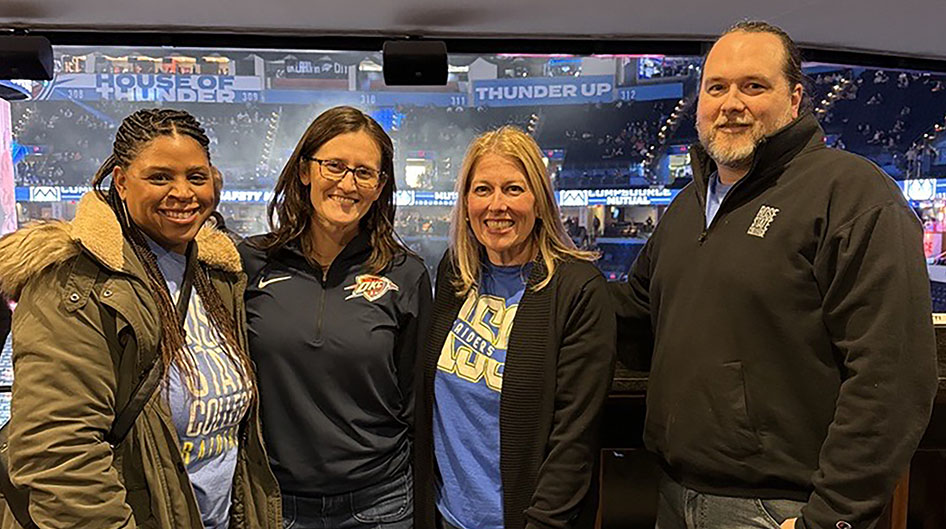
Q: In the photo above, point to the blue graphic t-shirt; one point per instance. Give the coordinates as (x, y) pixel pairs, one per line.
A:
(467, 389)
(207, 411)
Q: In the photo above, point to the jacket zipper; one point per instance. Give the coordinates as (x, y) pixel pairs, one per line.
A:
(318, 328)
(321, 315)
(719, 212)
(752, 169)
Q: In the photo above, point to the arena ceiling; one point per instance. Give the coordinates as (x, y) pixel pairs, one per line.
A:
(908, 28)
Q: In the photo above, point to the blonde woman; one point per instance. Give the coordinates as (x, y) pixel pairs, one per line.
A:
(519, 357)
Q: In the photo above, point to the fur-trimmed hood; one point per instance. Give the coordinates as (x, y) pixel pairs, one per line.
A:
(28, 251)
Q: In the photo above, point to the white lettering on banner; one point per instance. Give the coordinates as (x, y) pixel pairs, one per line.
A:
(629, 197)
(308, 67)
(542, 91)
(628, 201)
(167, 87)
(74, 191)
(567, 197)
(638, 192)
(242, 196)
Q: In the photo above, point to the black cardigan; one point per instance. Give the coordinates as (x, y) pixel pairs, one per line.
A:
(559, 365)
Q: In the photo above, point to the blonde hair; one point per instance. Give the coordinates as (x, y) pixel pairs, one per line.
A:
(548, 235)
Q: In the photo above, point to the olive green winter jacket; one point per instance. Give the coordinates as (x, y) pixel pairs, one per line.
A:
(84, 332)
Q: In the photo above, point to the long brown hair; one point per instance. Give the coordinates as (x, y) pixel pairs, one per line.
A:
(290, 211)
(134, 134)
(549, 235)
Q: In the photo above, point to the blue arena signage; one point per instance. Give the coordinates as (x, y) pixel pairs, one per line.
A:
(153, 87)
(174, 88)
(653, 196)
(256, 196)
(544, 91)
(650, 92)
(363, 99)
(431, 198)
(648, 196)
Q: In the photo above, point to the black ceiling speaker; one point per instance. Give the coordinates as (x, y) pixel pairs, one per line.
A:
(415, 62)
(26, 57)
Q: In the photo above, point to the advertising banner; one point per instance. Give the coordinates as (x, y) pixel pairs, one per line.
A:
(160, 87)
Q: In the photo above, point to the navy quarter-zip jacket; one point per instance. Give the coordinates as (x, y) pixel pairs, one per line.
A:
(793, 348)
(335, 361)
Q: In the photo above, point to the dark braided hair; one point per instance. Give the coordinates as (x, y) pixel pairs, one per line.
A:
(134, 134)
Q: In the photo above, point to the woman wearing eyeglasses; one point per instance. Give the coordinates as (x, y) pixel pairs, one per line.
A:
(336, 306)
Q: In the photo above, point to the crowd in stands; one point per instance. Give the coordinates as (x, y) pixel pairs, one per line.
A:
(72, 144)
(415, 223)
(591, 134)
(882, 114)
(877, 113)
(663, 67)
(237, 134)
(73, 140)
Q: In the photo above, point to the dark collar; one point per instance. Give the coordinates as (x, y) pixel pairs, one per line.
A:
(772, 154)
(357, 250)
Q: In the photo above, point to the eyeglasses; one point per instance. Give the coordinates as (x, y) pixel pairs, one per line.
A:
(335, 170)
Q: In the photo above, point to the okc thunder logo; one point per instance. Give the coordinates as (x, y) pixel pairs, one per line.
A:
(370, 287)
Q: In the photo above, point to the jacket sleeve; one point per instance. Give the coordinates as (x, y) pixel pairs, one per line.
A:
(583, 377)
(631, 300)
(876, 305)
(253, 259)
(409, 347)
(63, 404)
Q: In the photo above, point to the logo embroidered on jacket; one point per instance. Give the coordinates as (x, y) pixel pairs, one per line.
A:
(763, 219)
(270, 281)
(370, 287)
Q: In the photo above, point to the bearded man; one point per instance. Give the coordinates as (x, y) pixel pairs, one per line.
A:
(786, 295)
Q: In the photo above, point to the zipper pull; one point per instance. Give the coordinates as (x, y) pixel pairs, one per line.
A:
(702, 236)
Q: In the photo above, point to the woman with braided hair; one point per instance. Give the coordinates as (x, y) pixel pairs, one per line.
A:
(104, 298)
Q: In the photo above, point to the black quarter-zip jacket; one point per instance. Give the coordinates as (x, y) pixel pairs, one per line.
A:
(335, 361)
(793, 349)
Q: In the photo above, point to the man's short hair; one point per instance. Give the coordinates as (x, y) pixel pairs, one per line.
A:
(792, 65)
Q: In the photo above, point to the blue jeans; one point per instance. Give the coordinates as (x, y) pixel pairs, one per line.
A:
(387, 505)
(683, 508)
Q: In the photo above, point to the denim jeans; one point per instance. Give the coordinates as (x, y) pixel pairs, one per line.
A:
(387, 505)
(683, 508)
